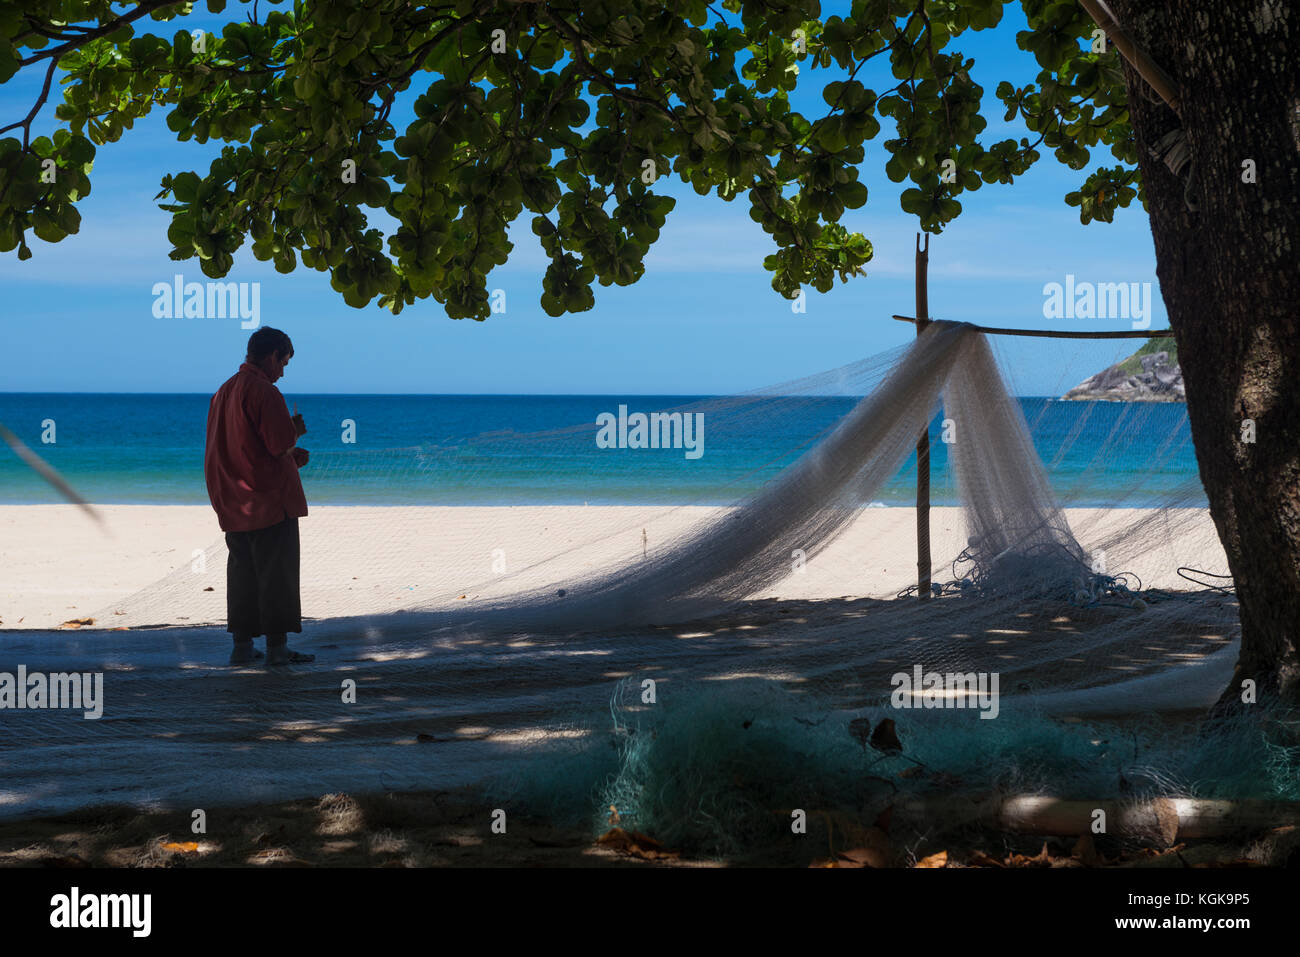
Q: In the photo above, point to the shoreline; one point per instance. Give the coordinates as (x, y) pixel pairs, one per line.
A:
(56, 565)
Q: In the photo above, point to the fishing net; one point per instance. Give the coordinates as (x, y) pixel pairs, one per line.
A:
(497, 640)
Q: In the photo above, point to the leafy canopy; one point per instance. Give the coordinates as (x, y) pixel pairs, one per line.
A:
(500, 96)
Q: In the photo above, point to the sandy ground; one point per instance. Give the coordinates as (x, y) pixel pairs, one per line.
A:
(444, 829)
(57, 565)
(448, 713)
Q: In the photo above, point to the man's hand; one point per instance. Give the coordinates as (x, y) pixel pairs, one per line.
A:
(300, 456)
(299, 426)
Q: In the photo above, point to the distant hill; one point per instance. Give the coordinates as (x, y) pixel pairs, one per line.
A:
(1151, 374)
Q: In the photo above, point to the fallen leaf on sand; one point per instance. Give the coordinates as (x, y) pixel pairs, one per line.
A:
(184, 847)
(1155, 852)
(636, 844)
(1042, 859)
(934, 860)
(77, 622)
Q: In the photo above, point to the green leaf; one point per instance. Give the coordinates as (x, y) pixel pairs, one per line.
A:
(8, 61)
(185, 187)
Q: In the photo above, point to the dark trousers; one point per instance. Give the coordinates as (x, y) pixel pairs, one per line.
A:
(262, 581)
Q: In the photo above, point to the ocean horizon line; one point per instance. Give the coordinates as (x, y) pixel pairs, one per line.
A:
(511, 395)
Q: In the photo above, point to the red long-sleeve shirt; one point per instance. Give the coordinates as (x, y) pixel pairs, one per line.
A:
(251, 475)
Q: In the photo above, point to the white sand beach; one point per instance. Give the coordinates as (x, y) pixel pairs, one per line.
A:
(446, 710)
(56, 565)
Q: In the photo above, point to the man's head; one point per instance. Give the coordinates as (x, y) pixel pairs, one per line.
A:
(270, 350)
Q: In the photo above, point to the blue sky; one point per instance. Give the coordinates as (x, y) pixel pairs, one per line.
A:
(78, 316)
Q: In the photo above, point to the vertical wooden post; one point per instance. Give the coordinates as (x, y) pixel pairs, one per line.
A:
(922, 443)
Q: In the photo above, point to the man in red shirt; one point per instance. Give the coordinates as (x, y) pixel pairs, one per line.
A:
(251, 466)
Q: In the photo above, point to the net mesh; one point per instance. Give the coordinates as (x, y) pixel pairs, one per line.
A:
(500, 636)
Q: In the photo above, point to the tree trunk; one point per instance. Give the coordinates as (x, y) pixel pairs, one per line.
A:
(1230, 276)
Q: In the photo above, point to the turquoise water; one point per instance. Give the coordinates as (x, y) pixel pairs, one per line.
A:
(484, 450)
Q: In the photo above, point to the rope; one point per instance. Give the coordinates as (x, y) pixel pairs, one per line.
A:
(1090, 590)
(1184, 570)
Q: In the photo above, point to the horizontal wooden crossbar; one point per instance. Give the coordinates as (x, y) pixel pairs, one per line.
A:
(1052, 334)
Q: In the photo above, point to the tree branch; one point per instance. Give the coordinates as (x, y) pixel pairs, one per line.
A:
(26, 123)
(144, 9)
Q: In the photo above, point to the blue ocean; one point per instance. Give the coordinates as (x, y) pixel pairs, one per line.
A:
(541, 450)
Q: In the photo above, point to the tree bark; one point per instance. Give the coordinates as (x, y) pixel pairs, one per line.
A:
(1230, 277)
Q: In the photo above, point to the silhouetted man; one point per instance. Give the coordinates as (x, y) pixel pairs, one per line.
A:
(251, 465)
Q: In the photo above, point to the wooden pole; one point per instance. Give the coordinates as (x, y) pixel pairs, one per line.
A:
(1141, 61)
(922, 443)
(1051, 333)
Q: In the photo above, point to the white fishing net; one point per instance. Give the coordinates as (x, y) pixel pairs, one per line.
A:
(508, 632)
